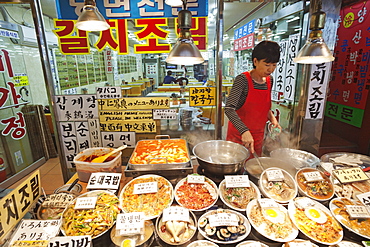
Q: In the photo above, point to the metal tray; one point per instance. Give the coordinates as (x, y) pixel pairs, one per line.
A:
(163, 166)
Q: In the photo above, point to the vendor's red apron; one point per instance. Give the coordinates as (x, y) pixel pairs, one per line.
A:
(254, 114)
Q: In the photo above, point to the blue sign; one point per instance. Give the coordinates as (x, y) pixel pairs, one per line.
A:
(130, 9)
(244, 30)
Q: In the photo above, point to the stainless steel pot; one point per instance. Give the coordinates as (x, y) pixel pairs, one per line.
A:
(220, 157)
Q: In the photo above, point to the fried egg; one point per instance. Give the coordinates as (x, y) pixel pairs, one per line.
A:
(274, 215)
(316, 215)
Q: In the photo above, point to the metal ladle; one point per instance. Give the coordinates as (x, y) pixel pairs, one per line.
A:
(258, 161)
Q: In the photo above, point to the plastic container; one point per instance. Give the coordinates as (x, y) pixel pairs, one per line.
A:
(84, 168)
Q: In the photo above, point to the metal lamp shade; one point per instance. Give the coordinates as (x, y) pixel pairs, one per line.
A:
(315, 51)
(185, 52)
(91, 20)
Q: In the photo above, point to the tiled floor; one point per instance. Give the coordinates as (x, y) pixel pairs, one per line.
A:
(51, 176)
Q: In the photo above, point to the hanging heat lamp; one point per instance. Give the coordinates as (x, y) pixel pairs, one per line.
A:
(185, 52)
(91, 19)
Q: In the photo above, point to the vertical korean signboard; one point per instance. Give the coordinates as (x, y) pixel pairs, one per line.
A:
(350, 83)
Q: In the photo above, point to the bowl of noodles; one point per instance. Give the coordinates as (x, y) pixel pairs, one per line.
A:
(94, 221)
(282, 191)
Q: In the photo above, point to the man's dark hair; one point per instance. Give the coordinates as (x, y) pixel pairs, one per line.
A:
(169, 72)
(268, 51)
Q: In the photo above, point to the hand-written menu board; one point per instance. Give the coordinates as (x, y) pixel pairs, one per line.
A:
(76, 107)
(350, 175)
(317, 90)
(350, 83)
(202, 96)
(18, 202)
(117, 139)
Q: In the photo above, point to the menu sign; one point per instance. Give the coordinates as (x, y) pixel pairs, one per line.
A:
(313, 176)
(130, 223)
(18, 202)
(357, 212)
(275, 175)
(195, 179)
(86, 202)
(104, 180)
(223, 219)
(73, 241)
(237, 181)
(176, 213)
(350, 175)
(144, 188)
(35, 230)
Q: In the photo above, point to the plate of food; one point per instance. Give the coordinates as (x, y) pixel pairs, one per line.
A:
(314, 184)
(338, 207)
(196, 196)
(94, 222)
(350, 190)
(224, 226)
(315, 221)
(202, 243)
(144, 239)
(238, 198)
(158, 195)
(272, 222)
(281, 191)
(299, 242)
(176, 231)
(251, 243)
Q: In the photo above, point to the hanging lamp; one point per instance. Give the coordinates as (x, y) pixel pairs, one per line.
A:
(315, 50)
(185, 52)
(91, 19)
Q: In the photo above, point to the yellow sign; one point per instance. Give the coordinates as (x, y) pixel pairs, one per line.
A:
(202, 96)
(140, 103)
(350, 175)
(129, 126)
(21, 80)
(37, 243)
(348, 20)
(119, 116)
(17, 203)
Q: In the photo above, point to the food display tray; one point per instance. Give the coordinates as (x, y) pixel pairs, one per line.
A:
(167, 173)
(151, 165)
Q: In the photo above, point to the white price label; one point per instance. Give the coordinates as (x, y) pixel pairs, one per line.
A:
(267, 203)
(364, 198)
(195, 179)
(130, 224)
(176, 213)
(300, 244)
(223, 219)
(164, 114)
(60, 200)
(275, 175)
(146, 188)
(313, 176)
(86, 202)
(237, 181)
(357, 212)
(104, 180)
(304, 202)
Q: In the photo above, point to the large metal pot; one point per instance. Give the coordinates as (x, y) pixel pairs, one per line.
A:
(220, 157)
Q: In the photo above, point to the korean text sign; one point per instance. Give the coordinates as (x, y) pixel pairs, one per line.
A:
(18, 202)
(132, 9)
(202, 96)
(350, 83)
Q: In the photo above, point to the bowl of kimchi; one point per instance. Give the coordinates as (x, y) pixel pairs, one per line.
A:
(196, 196)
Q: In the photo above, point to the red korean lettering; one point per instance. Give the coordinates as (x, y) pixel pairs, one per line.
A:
(68, 41)
(198, 31)
(8, 63)
(4, 96)
(14, 126)
(152, 32)
(119, 44)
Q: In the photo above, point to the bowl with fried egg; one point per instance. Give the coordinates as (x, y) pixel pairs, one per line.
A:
(315, 221)
(272, 222)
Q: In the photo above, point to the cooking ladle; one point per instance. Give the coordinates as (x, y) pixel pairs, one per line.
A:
(258, 161)
(101, 159)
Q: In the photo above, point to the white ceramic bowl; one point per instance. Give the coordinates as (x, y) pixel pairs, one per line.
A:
(251, 243)
(306, 188)
(262, 223)
(78, 217)
(183, 190)
(316, 228)
(202, 243)
(243, 229)
(242, 192)
(334, 208)
(151, 204)
(264, 186)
